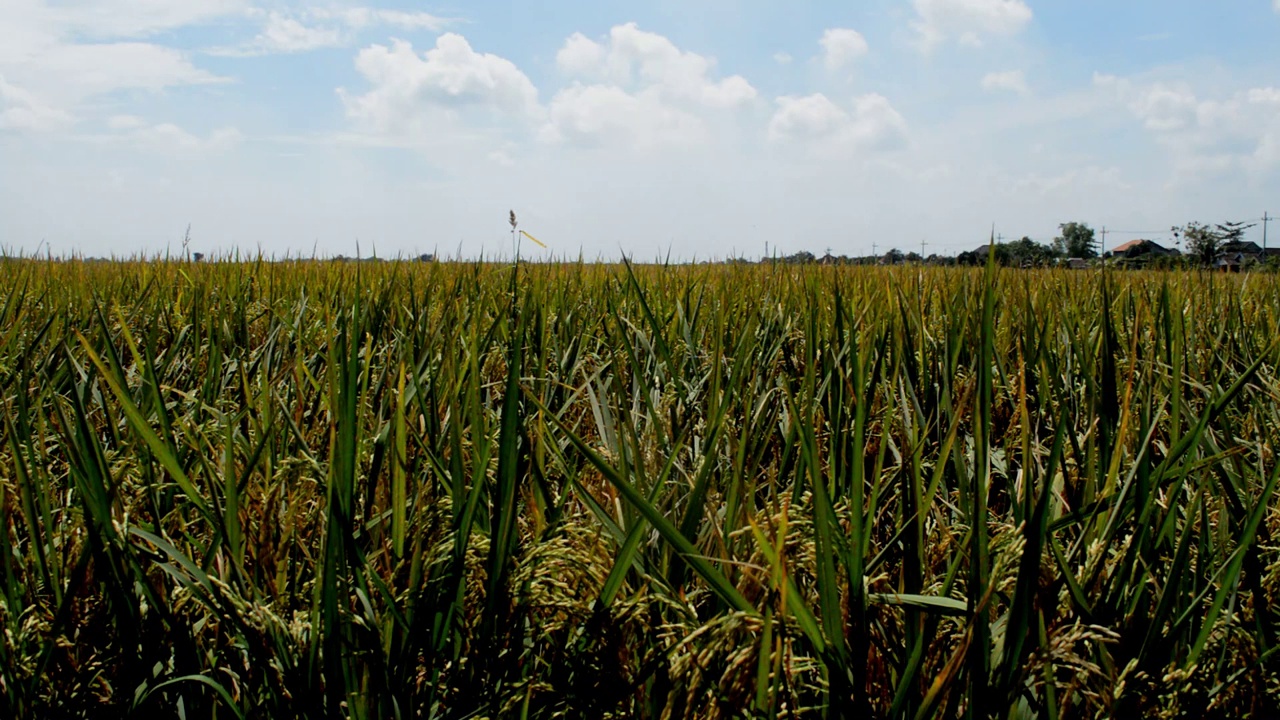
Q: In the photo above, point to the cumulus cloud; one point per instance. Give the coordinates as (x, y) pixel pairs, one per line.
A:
(1240, 131)
(1008, 80)
(600, 114)
(637, 84)
(580, 56)
(968, 21)
(635, 58)
(782, 58)
(451, 76)
(841, 46)
(871, 123)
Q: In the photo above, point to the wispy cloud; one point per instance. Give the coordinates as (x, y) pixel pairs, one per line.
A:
(1008, 80)
(284, 32)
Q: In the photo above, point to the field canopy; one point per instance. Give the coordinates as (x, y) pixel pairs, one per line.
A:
(460, 490)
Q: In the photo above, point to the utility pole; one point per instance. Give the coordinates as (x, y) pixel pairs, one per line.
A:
(873, 248)
(922, 246)
(1103, 250)
(1266, 218)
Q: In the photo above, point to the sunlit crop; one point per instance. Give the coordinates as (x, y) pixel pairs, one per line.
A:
(450, 490)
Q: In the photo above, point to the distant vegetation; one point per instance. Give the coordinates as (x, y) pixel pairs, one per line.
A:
(1076, 241)
(452, 490)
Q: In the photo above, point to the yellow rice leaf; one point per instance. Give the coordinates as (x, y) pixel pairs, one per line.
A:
(535, 240)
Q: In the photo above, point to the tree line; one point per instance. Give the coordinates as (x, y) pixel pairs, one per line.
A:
(1201, 244)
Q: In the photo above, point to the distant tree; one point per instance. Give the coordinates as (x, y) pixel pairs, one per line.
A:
(1027, 252)
(914, 257)
(1076, 241)
(893, 257)
(1231, 232)
(1004, 256)
(1202, 241)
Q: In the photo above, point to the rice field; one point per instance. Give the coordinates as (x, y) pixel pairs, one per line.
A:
(421, 490)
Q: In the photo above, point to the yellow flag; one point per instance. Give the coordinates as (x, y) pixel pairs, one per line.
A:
(535, 240)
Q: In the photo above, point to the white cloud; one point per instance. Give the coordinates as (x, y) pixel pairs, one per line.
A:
(74, 72)
(318, 28)
(1008, 80)
(969, 21)
(871, 123)
(112, 19)
(1162, 107)
(1264, 96)
(637, 84)
(635, 58)
(125, 122)
(405, 20)
(502, 157)
(841, 46)
(286, 34)
(580, 55)
(1237, 132)
(21, 110)
(1074, 180)
(167, 136)
(782, 58)
(598, 114)
(79, 50)
(408, 87)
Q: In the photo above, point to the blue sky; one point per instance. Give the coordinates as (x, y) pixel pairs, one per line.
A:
(705, 128)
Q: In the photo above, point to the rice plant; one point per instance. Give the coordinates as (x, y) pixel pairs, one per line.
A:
(463, 490)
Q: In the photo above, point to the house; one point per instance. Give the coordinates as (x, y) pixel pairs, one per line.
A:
(1242, 247)
(1232, 256)
(1231, 262)
(1140, 249)
(979, 255)
(1078, 264)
